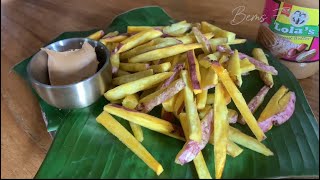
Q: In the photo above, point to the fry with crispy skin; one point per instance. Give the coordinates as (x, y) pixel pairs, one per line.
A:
(147, 103)
(136, 86)
(260, 56)
(115, 128)
(239, 101)
(131, 77)
(220, 134)
(163, 52)
(131, 102)
(191, 109)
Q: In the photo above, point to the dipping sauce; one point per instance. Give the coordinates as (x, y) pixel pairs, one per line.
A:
(291, 32)
(71, 66)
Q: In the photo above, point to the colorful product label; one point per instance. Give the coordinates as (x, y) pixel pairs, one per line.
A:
(290, 32)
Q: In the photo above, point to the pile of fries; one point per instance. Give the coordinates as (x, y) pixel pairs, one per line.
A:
(190, 71)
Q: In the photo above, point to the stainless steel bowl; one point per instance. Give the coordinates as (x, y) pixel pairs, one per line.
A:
(76, 95)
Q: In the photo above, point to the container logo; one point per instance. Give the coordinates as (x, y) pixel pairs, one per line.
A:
(299, 18)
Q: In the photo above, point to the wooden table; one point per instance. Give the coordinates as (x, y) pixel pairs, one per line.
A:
(29, 24)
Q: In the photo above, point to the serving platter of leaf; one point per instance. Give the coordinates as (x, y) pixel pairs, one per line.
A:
(188, 100)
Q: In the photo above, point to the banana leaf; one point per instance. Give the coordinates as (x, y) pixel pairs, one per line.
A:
(82, 148)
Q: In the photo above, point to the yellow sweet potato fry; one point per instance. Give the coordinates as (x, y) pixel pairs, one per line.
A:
(201, 167)
(233, 68)
(179, 104)
(239, 101)
(133, 29)
(207, 27)
(260, 56)
(163, 52)
(204, 60)
(274, 107)
(237, 41)
(97, 35)
(168, 104)
(110, 34)
(121, 73)
(175, 60)
(137, 39)
(211, 79)
(131, 77)
(246, 66)
(131, 102)
(139, 118)
(133, 67)
(114, 39)
(115, 62)
(204, 111)
(161, 67)
(220, 135)
(249, 142)
(177, 29)
(201, 99)
(115, 128)
(136, 86)
(149, 46)
(232, 149)
(191, 109)
(147, 103)
(187, 39)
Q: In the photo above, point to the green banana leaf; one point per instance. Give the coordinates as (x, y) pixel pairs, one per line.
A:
(82, 148)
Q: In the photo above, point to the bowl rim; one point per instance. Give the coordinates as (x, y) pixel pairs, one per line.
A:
(33, 80)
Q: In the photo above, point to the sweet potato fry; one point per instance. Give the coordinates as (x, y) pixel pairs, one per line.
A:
(246, 66)
(147, 103)
(97, 35)
(194, 72)
(233, 68)
(233, 149)
(202, 97)
(187, 39)
(201, 167)
(204, 111)
(133, 67)
(161, 67)
(151, 45)
(131, 102)
(207, 27)
(163, 52)
(115, 62)
(191, 148)
(176, 72)
(142, 119)
(237, 41)
(202, 40)
(205, 61)
(260, 56)
(220, 134)
(131, 77)
(255, 102)
(115, 128)
(135, 29)
(136, 86)
(198, 161)
(191, 109)
(137, 39)
(249, 142)
(232, 116)
(169, 104)
(211, 79)
(121, 73)
(177, 29)
(113, 39)
(239, 101)
(179, 104)
(278, 110)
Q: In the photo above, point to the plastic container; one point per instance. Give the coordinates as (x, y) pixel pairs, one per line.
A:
(290, 31)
